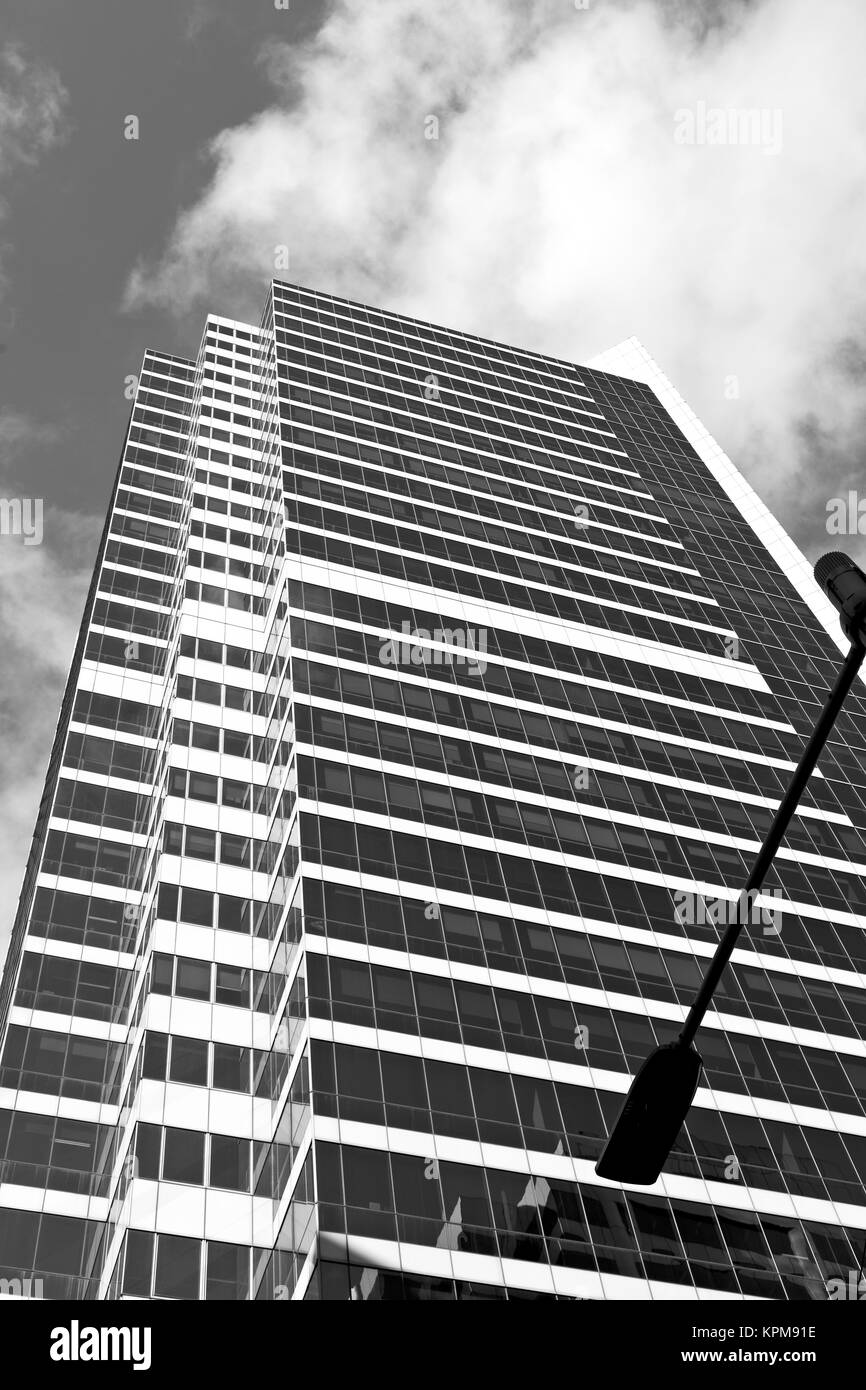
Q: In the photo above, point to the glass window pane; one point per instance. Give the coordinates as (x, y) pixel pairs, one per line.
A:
(177, 1267)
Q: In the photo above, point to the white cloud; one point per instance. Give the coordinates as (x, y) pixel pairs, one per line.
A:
(17, 430)
(557, 210)
(196, 17)
(32, 107)
(42, 589)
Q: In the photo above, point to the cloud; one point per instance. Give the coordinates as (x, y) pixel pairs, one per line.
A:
(18, 430)
(32, 107)
(558, 210)
(43, 589)
(196, 16)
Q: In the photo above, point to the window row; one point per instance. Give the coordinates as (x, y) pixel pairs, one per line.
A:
(131, 653)
(240, 569)
(485, 584)
(543, 777)
(625, 900)
(85, 921)
(365, 1086)
(483, 364)
(214, 692)
(165, 1266)
(477, 1015)
(138, 587)
(245, 540)
(257, 465)
(238, 439)
(648, 752)
(368, 1193)
(369, 449)
(579, 958)
(190, 1156)
(147, 504)
(474, 377)
(203, 786)
(230, 483)
(242, 851)
(104, 861)
(107, 806)
(610, 842)
(525, 555)
(221, 654)
(187, 978)
(197, 1062)
(477, 493)
(262, 703)
(164, 461)
(203, 909)
(62, 1064)
(168, 440)
(134, 762)
(205, 501)
(403, 423)
(50, 1151)
(55, 1249)
(467, 663)
(149, 532)
(221, 597)
(231, 742)
(137, 557)
(549, 659)
(75, 987)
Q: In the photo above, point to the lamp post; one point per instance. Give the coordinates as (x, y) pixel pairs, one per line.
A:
(661, 1094)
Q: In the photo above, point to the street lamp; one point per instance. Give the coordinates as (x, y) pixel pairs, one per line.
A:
(659, 1098)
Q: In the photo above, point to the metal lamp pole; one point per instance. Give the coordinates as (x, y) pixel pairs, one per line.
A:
(663, 1089)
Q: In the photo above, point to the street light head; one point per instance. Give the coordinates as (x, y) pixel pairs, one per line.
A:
(652, 1116)
(844, 583)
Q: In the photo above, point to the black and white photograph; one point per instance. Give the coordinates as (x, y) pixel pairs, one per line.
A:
(433, 721)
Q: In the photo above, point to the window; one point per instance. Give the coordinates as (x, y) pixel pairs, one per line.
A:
(155, 1056)
(192, 980)
(196, 907)
(203, 787)
(235, 849)
(148, 1139)
(161, 973)
(189, 1061)
(183, 1156)
(232, 986)
(177, 1267)
(231, 1067)
(172, 839)
(235, 793)
(230, 1162)
(227, 1271)
(233, 914)
(139, 1263)
(200, 844)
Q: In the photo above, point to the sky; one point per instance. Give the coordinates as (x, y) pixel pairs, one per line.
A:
(561, 175)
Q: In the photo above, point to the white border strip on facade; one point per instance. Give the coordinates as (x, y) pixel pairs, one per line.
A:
(631, 359)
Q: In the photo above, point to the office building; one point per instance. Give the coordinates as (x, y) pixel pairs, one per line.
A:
(431, 700)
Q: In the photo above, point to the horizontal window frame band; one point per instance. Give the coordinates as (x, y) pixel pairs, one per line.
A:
(302, 699)
(539, 987)
(705, 1192)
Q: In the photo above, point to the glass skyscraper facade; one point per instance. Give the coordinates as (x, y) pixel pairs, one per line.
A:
(431, 701)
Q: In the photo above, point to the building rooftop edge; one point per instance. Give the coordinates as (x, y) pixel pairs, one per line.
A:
(630, 359)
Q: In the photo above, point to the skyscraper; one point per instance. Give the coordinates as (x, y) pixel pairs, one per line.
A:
(431, 699)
